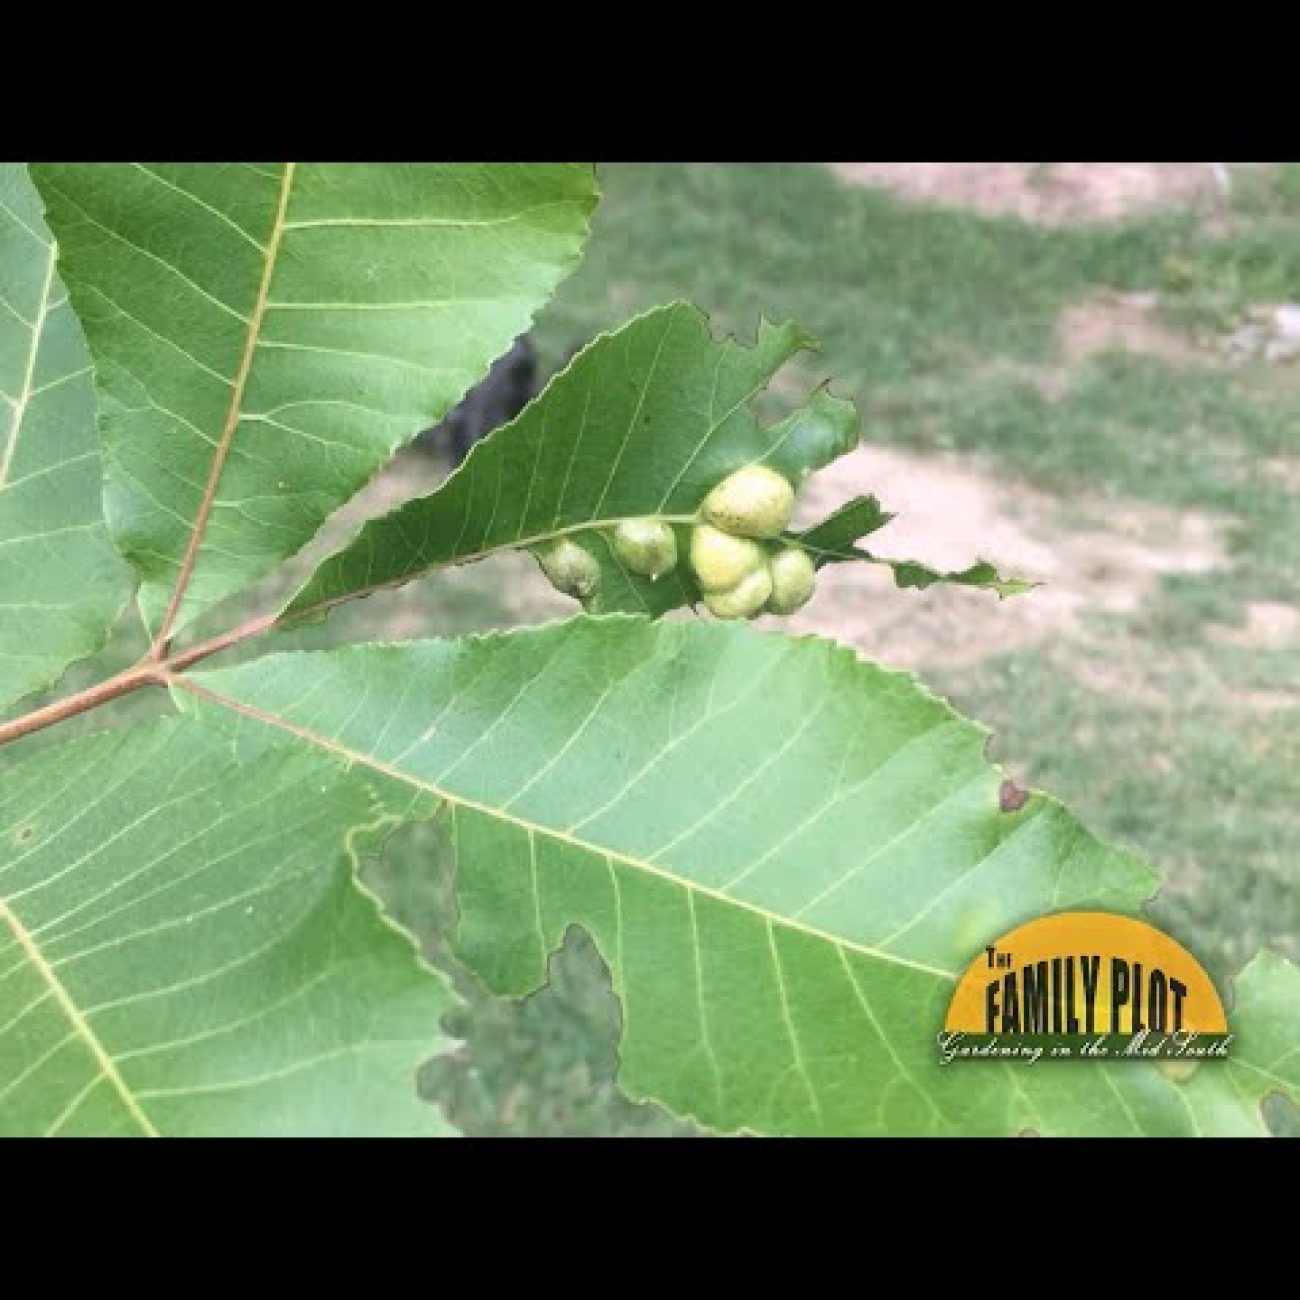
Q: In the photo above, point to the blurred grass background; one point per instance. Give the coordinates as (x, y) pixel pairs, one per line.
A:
(943, 324)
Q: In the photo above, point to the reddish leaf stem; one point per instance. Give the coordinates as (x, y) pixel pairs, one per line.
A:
(148, 672)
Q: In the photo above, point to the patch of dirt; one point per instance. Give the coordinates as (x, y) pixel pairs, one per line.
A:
(1122, 322)
(951, 512)
(1269, 624)
(1049, 194)
(1267, 701)
(1284, 470)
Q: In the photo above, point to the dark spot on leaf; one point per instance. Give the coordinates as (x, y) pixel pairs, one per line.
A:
(1011, 797)
(25, 833)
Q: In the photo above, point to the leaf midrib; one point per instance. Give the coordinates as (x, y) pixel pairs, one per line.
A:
(294, 610)
(534, 828)
(234, 412)
(81, 1027)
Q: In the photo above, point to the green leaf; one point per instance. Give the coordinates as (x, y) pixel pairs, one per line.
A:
(183, 949)
(644, 421)
(787, 855)
(61, 583)
(832, 542)
(265, 336)
(908, 573)
(1267, 1054)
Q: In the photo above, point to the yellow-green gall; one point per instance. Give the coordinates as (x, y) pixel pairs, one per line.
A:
(745, 599)
(571, 568)
(720, 560)
(752, 502)
(646, 546)
(793, 580)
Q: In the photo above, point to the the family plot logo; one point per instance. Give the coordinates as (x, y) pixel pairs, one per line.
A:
(1084, 986)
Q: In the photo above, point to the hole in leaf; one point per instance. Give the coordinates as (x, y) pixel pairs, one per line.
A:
(1281, 1115)
(539, 1065)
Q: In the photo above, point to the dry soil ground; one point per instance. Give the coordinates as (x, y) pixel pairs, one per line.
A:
(1048, 193)
(952, 508)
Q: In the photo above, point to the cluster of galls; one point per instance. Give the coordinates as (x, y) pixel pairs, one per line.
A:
(741, 572)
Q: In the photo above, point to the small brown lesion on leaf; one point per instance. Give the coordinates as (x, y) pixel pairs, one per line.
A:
(1012, 797)
(24, 833)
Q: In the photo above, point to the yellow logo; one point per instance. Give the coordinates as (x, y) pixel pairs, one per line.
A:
(1085, 986)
